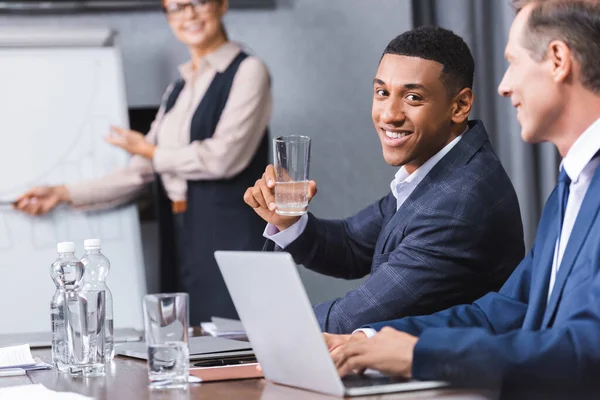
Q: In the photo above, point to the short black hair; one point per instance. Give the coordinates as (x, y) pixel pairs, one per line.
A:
(442, 46)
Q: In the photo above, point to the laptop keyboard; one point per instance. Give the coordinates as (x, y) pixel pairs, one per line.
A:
(355, 381)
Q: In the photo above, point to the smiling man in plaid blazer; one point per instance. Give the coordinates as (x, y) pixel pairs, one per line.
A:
(450, 229)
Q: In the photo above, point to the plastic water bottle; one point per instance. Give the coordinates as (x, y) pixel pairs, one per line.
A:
(67, 274)
(97, 267)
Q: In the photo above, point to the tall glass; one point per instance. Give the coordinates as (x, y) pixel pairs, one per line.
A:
(166, 321)
(292, 162)
(85, 332)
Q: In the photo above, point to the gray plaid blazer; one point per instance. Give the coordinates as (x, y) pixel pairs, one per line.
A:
(457, 237)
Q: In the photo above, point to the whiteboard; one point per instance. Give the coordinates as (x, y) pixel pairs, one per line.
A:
(57, 104)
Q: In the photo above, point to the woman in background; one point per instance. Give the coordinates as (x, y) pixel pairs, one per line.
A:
(206, 146)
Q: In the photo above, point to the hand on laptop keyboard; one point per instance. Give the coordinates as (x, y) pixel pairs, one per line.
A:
(334, 341)
(389, 351)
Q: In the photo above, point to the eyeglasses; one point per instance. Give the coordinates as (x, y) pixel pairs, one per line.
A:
(177, 10)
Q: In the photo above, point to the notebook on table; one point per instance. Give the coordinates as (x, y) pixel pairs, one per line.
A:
(202, 348)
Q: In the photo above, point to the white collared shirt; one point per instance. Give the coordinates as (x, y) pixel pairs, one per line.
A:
(402, 186)
(580, 166)
(404, 183)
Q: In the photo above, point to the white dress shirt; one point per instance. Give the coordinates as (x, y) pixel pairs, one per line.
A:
(580, 166)
(402, 186)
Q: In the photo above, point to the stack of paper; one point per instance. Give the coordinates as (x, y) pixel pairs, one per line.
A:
(224, 327)
(18, 358)
(38, 392)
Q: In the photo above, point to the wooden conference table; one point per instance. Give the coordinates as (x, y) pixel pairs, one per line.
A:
(128, 378)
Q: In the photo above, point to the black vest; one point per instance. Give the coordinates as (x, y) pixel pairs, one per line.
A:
(217, 217)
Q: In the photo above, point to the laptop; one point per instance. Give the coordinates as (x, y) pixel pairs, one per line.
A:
(283, 329)
(204, 349)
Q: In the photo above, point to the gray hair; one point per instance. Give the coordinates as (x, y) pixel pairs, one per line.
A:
(574, 22)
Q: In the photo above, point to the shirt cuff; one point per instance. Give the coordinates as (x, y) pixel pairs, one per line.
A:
(287, 236)
(370, 332)
(165, 160)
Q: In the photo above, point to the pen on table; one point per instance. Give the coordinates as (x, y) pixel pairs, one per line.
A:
(7, 203)
(222, 363)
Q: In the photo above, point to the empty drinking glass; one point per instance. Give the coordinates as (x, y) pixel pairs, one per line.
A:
(292, 161)
(166, 321)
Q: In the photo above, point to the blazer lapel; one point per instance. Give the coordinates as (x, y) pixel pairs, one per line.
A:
(472, 140)
(392, 223)
(583, 223)
(390, 215)
(539, 289)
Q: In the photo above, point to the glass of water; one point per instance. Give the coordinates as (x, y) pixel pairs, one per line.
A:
(292, 161)
(166, 321)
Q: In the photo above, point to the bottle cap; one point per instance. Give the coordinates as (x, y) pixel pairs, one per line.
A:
(92, 244)
(65, 247)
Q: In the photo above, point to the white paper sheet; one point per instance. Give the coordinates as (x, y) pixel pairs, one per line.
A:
(16, 357)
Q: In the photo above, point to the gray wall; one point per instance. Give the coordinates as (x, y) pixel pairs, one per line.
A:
(322, 55)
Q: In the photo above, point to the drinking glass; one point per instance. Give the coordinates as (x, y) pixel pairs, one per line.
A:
(166, 321)
(292, 161)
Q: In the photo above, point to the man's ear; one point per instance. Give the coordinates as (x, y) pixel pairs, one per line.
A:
(462, 105)
(561, 60)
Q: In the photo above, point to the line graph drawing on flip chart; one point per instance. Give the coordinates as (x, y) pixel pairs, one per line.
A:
(61, 91)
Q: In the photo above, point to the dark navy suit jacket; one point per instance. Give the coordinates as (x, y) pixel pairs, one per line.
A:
(517, 337)
(458, 236)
